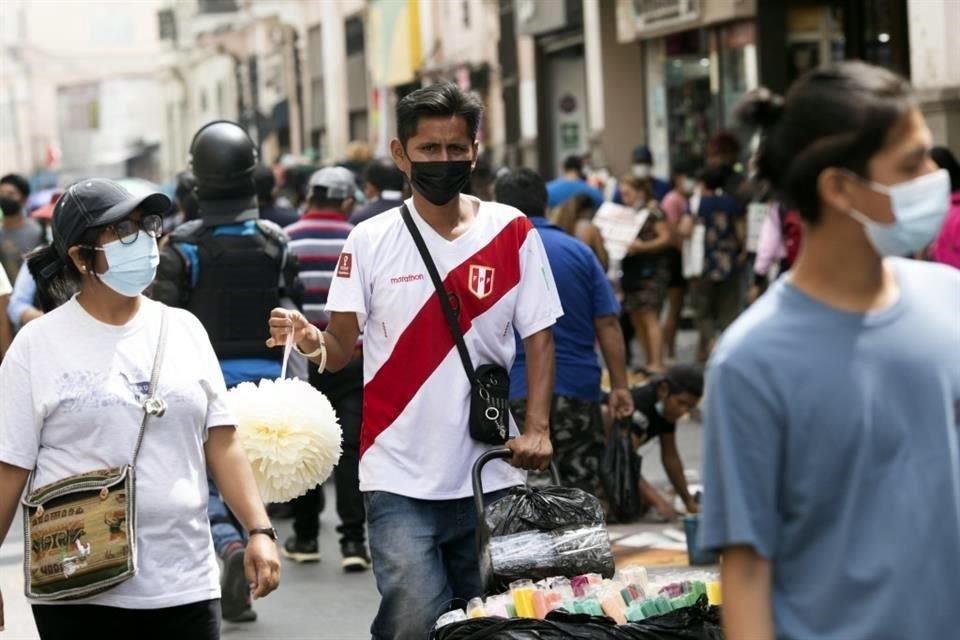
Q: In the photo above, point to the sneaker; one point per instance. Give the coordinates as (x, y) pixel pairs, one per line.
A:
(300, 550)
(355, 557)
(235, 600)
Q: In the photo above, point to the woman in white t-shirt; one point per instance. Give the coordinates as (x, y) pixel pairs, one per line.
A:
(72, 389)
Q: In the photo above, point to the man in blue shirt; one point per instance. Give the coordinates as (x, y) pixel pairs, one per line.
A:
(570, 184)
(590, 315)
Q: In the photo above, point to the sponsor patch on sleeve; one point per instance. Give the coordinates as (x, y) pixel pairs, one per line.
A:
(345, 266)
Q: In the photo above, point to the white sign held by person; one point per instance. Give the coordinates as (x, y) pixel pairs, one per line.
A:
(619, 226)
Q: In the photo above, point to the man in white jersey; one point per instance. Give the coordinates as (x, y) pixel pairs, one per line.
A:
(416, 450)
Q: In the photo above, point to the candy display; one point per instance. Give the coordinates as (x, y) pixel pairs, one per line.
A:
(631, 596)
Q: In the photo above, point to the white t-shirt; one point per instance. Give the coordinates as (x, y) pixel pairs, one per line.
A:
(415, 439)
(71, 394)
(5, 288)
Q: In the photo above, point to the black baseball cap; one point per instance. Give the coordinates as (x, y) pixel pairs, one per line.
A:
(97, 202)
(642, 155)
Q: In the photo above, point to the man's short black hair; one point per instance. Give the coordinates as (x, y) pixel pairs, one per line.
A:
(715, 177)
(573, 163)
(523, 189)
(383, 175)
(684, 378)
(265, 182)
(318, 198)
(15, 179)
(443, 100)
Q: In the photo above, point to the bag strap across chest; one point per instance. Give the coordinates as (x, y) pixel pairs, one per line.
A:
(442, 294)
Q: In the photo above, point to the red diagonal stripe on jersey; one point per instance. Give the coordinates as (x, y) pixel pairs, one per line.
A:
(427, 340)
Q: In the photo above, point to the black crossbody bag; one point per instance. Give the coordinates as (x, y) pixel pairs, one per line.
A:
(489, 383)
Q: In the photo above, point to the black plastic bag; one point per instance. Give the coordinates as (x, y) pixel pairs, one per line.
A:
(541, 533)
(546, 509)
(620, 474)
(699, 622)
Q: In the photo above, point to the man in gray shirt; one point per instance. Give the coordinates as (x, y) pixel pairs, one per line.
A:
(19, 234)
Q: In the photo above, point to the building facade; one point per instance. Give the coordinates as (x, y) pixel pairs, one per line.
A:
(307, 78)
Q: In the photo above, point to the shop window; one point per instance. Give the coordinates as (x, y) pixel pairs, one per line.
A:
(691, 110)
(354, 35)
(815, 38)
(882, 37)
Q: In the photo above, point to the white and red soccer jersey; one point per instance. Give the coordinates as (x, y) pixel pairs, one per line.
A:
(415, 440)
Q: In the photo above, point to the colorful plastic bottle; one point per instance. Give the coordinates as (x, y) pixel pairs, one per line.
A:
(649, 608)
(522, 592)
(613, 606)
(475, 608)
(662, 604)
(540, 609)
(714, 593)
(579, 585)
(495, 606)
(634, 575)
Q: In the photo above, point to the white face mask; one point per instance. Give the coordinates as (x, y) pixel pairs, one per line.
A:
(688, 185)
(919, 207)
(642, 170)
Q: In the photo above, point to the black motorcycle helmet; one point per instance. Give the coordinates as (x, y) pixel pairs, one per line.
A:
(223, 159)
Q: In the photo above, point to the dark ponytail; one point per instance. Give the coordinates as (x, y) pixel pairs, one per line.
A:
(57, 277)
(839, 116)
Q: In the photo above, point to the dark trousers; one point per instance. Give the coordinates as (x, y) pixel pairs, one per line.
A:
(194, 621)
(344, 389)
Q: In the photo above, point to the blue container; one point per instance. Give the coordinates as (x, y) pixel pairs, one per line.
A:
(697, 556)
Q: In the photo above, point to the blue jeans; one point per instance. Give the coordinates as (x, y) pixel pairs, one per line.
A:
(223, 526)
(424, 559)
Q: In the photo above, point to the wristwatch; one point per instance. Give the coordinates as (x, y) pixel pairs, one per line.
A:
(270, 532)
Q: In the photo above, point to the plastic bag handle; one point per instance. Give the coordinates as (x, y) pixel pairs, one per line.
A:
(497, 453)
(287, 349)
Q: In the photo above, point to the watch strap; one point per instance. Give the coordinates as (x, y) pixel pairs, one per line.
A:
(270, 532)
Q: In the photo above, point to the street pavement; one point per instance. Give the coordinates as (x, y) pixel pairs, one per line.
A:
(314, 601)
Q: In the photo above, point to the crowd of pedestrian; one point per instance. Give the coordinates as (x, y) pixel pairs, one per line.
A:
(551, 283)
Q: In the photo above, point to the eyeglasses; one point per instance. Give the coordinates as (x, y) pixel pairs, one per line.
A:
(129, 230)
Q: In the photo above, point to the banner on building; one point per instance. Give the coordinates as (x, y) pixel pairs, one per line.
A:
(395, 52)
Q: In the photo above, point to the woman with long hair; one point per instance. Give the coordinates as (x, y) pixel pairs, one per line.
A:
(646, 272)
(575, 216)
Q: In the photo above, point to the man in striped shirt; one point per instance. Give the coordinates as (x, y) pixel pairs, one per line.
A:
(317, 239)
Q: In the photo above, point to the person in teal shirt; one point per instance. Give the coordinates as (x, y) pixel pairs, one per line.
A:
(832, 443)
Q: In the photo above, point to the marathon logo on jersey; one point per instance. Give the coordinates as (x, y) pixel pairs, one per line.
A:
(345, 266)
(481, 280)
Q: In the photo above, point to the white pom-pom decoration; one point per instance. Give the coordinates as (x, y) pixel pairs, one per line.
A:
(290, 433)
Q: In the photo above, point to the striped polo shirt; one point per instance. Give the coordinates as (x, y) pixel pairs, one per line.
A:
(317, 239)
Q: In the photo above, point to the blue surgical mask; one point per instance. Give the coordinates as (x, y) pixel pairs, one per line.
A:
(659, 407)
(131, 267)
(919, 207)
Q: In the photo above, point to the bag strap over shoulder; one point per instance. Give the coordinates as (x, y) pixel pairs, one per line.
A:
(154, 406)
(442, 294)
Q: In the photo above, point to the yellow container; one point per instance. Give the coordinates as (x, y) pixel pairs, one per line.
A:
(714, 593)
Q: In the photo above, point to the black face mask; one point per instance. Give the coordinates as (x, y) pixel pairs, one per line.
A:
(9, 206)
(440, 182)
